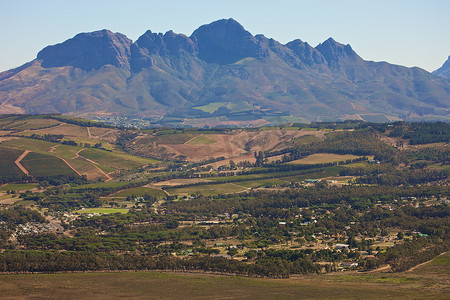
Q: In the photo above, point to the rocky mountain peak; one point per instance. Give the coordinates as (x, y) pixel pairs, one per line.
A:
(89, 51)
(305, 52)
(444, 71)
(334, 52)
(224, 42)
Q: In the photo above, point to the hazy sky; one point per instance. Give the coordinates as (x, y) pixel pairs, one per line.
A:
(405, 32)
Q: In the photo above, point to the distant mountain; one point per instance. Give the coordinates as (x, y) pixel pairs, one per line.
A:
(220, 75)
(444, 70)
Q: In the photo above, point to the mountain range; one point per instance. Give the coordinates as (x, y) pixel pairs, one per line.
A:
(220, 75)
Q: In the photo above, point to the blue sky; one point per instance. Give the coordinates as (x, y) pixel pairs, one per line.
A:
(405, 32)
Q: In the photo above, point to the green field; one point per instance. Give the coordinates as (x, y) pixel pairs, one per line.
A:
(18, 186)
(140, 191)
(207, 190)
(30, 144)
(115, 160)
(376, 118)
(201, 140)
(45, 165)
(212, 107)
(261, 183)
(273, 175)
(7, 165)
(329, 172)
(101, 185)
(310, 129)
(321, 158)
(304, 140)
(104, 210)
(31, 123)
(174, 139)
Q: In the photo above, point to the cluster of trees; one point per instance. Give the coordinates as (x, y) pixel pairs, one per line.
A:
(47, 261)
(389, 175)
(79, 122)
(421, 132)
(9, 218)
(53, 138)
(404, 256)
(361, 143)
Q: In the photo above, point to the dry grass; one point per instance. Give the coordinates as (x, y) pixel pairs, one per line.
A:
(68, 130)
(171, 285)
(222, 147)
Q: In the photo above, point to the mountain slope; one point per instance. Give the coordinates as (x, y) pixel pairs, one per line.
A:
(444, 71)
(221, 73)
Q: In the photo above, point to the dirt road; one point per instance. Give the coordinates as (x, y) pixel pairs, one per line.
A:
(19, 165)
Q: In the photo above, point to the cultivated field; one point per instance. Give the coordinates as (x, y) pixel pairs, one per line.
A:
(28, 144)
(18, 186)
(321, 158)
(45, 165)
(138, 192)
(68, 130)
(7, 158)
(103, 210)
(201, 140)
(207, 190)
(221, 147)
(34, 124)
(115, 160)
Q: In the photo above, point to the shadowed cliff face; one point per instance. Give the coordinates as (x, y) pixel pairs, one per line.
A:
(225, 42)
(168, 44)
(221, 71)
(89, 51)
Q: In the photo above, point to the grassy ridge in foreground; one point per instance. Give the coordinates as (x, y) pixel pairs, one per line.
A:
(428, 281)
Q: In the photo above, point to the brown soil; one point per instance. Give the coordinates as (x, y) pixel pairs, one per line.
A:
(19, 165)
(248, 157)
(104, 134)
(222, 147)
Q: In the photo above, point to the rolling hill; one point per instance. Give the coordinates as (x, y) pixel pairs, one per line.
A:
(220, 75)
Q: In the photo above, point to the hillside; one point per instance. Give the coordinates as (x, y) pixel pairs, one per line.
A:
(220, 75)
(444, 71)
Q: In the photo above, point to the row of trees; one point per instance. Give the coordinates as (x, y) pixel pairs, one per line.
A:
(46, 261)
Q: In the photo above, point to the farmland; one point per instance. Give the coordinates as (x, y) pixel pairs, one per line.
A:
(283, 211)
(115, 160)
(7, 158)
(18, 187)
(104, 210)
(201, 140)
(207, 190)
(139, 191)
(321, 158)
(45, 165)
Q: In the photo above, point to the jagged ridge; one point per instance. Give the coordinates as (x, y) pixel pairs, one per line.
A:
(220, 71)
